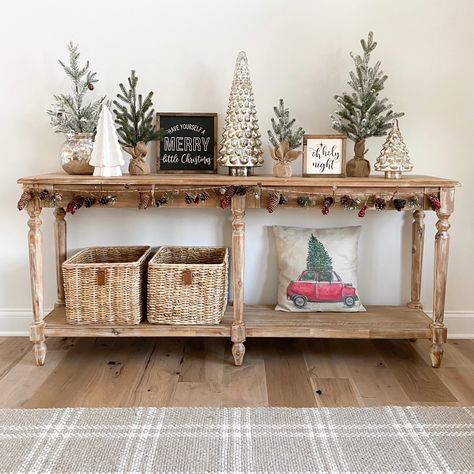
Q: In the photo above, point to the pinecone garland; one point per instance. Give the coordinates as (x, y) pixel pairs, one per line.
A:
(230, 191)
(362, 210)
(89, 201)
(225, 202)
(283, 200)
(44, 194)
(327, 203)
(241, 190)
(273, 201)
(143, 200)
(25, 198)
(380, 204)
(74, 204)
(434, 203)
(204, 196)
(189, 198)
(399, 204)
(161, 201)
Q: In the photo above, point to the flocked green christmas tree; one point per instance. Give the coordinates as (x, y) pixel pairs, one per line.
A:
(318, 258)
(283, 141)
(283, 129)
(71, 112)
(362, 114)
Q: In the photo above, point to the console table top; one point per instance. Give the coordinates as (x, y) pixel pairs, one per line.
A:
(407, 181)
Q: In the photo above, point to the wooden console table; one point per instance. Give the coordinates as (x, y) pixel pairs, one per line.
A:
(240, 321)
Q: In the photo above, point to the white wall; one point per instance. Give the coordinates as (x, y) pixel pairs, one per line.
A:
(185, 51)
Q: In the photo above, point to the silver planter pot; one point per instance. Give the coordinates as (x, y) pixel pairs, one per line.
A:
(76, 153)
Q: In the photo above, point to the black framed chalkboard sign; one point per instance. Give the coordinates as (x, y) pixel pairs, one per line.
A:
(190, 143)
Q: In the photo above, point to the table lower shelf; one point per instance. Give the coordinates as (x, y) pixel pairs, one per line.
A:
(378, 322)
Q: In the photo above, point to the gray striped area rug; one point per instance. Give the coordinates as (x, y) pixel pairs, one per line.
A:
(238, 440)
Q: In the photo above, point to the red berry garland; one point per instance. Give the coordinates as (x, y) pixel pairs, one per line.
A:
(434, 202)
(225, 202)
(362, 210)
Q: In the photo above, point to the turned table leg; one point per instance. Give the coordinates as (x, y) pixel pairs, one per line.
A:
(60, 239)
(440, 275)
(238, 259)
(418, 238)
(35, 247)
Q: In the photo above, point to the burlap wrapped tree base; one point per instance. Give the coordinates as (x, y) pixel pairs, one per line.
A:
(138, 165)
(358, 167)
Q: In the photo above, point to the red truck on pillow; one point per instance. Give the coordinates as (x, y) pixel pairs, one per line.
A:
(320, 287)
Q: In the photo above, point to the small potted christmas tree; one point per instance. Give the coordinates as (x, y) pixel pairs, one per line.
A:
(362, 114)
(283, 141)
(134, 117)
(76, 117)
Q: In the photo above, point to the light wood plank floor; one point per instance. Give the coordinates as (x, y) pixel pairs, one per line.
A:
(199, 372)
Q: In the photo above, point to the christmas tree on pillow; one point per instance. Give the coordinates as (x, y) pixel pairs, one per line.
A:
(319, 283)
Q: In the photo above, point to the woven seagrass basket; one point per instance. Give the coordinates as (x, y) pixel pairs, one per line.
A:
(106, 285)
(188, 285)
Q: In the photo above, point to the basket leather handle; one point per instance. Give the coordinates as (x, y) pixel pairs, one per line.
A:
(187, 277)
(100, 277)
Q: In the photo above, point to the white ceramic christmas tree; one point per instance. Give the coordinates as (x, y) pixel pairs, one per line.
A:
(241, 144)
(393, 158)
(106, 154)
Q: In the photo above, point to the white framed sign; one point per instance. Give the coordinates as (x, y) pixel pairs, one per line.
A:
(324, 155)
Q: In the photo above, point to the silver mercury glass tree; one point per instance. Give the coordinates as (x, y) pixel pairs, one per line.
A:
(393, 158)
(241, 144)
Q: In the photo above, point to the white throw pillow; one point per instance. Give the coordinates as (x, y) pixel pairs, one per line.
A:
(317, 269)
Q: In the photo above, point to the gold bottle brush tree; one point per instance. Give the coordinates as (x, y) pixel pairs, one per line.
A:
(241, 144)
(362, 113)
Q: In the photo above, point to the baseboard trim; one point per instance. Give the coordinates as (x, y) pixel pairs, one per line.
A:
(16, 322)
